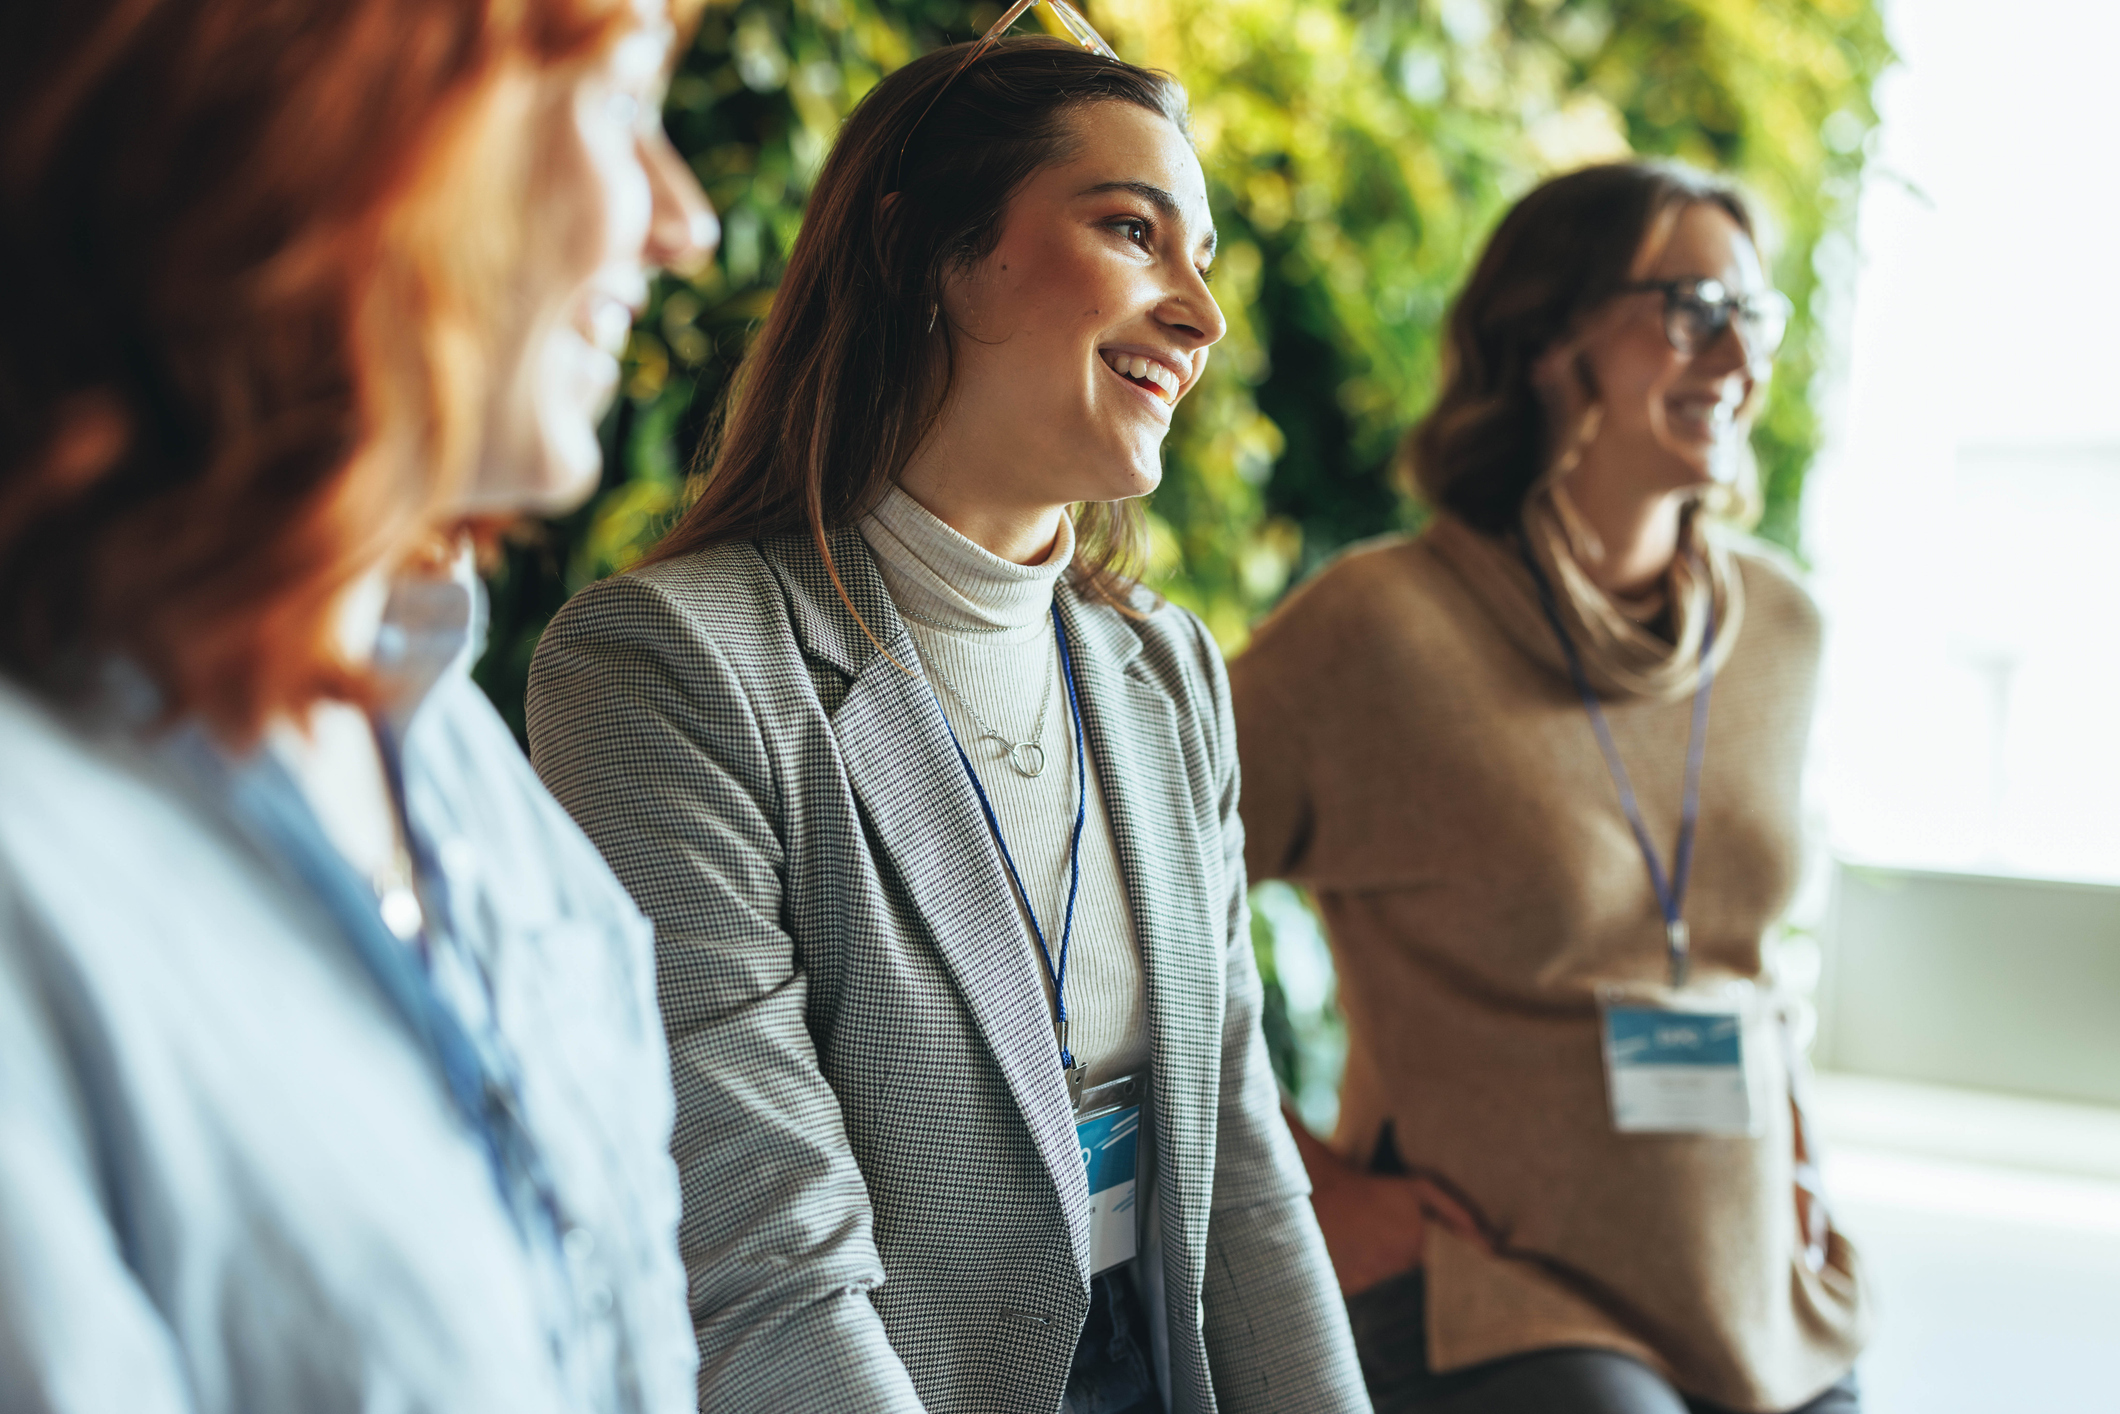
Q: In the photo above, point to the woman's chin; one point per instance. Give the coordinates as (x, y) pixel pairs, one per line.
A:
(570, 467)
(550, 471)
(1137, 471)
(542, 455)
(580, 382)
(1690, 463)
(1131, 489)
(1111, 479)
(1144, 480)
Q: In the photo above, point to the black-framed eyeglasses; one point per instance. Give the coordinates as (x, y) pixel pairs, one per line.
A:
(1696, 312)
(1078, 29)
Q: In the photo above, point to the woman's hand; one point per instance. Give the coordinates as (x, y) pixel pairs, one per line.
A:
(1376, 1225)
(1813, 1225)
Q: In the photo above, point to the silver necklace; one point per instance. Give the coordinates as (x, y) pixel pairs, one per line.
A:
(1027, 757)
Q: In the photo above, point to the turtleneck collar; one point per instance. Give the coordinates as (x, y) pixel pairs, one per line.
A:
(1621, 658)
(943, 580)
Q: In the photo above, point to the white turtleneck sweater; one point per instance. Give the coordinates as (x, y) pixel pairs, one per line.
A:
(984, 627)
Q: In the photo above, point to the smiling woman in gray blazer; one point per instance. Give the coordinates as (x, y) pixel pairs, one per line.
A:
(936, 813)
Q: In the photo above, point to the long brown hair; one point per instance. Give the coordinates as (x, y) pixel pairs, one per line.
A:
(1560, 253)
(851, 369)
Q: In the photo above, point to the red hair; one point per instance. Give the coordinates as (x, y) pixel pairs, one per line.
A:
(259, 252)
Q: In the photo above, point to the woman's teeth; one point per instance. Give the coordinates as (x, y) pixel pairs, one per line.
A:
(1145, 370)
(1705, 415)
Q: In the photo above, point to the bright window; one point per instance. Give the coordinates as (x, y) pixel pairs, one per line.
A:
(1965, 526)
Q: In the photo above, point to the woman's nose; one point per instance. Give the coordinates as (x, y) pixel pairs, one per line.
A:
(1195, 314)
(683, 230)
(1727, 352)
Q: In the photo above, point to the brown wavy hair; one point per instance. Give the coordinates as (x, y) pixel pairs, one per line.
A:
(1559, 254)
(259, 252)
(850, 371)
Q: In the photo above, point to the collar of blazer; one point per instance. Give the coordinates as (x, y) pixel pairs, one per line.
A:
(926, 822)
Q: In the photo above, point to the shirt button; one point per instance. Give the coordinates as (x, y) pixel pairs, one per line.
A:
(578, 1244)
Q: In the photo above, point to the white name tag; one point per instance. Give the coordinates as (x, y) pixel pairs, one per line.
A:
(1684, 1063)
(1109, 1136)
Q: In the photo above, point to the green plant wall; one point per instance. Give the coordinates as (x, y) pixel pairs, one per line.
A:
(1357, 152)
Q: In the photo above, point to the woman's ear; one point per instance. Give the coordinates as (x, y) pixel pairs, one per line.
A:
(1565, 375)
(1567, 389)
(1550, 370)
(1564, 380)
(887, 230)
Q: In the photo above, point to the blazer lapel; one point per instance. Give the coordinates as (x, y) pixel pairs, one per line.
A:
(930, 834)
(1132, 727)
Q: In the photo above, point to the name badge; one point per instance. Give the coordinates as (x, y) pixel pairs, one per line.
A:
(1684, 1063)
(1108, 1132)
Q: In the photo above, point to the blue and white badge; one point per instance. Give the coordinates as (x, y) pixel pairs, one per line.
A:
(1683, 1064)
(1109, 1136)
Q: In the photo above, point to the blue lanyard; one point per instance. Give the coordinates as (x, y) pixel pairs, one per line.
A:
(1056, 971)
(1671, 894)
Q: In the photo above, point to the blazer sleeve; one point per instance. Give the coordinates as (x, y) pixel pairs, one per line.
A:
(643, 729)
(77, 1331)
(1273, 1318)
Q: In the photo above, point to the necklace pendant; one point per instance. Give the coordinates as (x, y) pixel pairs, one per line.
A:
(1028, 757)
(400, 908)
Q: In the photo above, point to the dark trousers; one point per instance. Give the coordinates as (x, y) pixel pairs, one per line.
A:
(1391, 1332)
(1114, 1370)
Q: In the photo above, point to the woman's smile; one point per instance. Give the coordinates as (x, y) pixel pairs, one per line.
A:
(1162, 376)
(1703, 417)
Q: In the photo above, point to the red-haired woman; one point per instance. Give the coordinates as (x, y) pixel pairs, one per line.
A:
(333, 1077)
(1540, 766)
(935, 810)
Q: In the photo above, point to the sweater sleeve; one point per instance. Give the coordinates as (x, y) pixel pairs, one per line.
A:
(643, 730)
(1273, 1320)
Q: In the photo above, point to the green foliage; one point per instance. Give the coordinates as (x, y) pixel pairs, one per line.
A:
(1305, 1033)
(1357, 152)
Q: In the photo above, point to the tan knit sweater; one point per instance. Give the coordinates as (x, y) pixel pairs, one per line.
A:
(1414, 753)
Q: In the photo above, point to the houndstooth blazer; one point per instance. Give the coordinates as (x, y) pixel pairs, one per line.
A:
(884, 1205)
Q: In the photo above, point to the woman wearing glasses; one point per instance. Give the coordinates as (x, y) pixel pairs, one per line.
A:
(935, 810)
(1539, 766)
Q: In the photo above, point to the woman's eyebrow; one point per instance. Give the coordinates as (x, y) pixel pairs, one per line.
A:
(1166, 205)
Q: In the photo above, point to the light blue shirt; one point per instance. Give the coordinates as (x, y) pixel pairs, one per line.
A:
(232, 1176)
